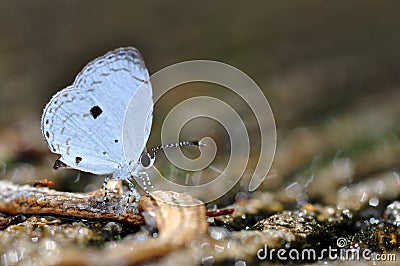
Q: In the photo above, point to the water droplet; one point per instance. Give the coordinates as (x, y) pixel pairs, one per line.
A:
(149, 218)
(364, 197)
(374, 202)
(293, 189)
(373, 220)
(240, 263)
(218, 233)
(209, 260)
(50, 244)
(9, 258)
(380, 188)
(301, 198)
(397, 177)
(219, 249)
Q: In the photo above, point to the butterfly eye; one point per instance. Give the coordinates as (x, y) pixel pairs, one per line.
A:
(146, 161)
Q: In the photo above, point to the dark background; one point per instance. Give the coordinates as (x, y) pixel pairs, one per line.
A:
(296, 51)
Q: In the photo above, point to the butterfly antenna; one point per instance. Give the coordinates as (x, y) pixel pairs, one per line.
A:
(196, 143)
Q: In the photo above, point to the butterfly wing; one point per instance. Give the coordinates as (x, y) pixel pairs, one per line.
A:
(137, 125)
(84, 122)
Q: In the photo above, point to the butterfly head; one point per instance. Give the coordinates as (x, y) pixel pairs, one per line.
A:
(146, 160)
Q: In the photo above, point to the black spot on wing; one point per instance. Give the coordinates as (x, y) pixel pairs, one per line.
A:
(58, 164)
(95, 111)
(115, 140)
(78, 160)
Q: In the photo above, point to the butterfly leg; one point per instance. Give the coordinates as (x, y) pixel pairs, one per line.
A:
(146, 175)
(132, 193)
(140, 174)
(144, 184)
(105, 187)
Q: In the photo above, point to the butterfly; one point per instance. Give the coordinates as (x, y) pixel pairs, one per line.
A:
(84, 122)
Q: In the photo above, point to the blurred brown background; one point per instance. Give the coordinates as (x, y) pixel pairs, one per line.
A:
(313, 59)
(297, 51)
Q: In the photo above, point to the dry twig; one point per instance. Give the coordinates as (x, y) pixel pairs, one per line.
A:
(177, 225)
